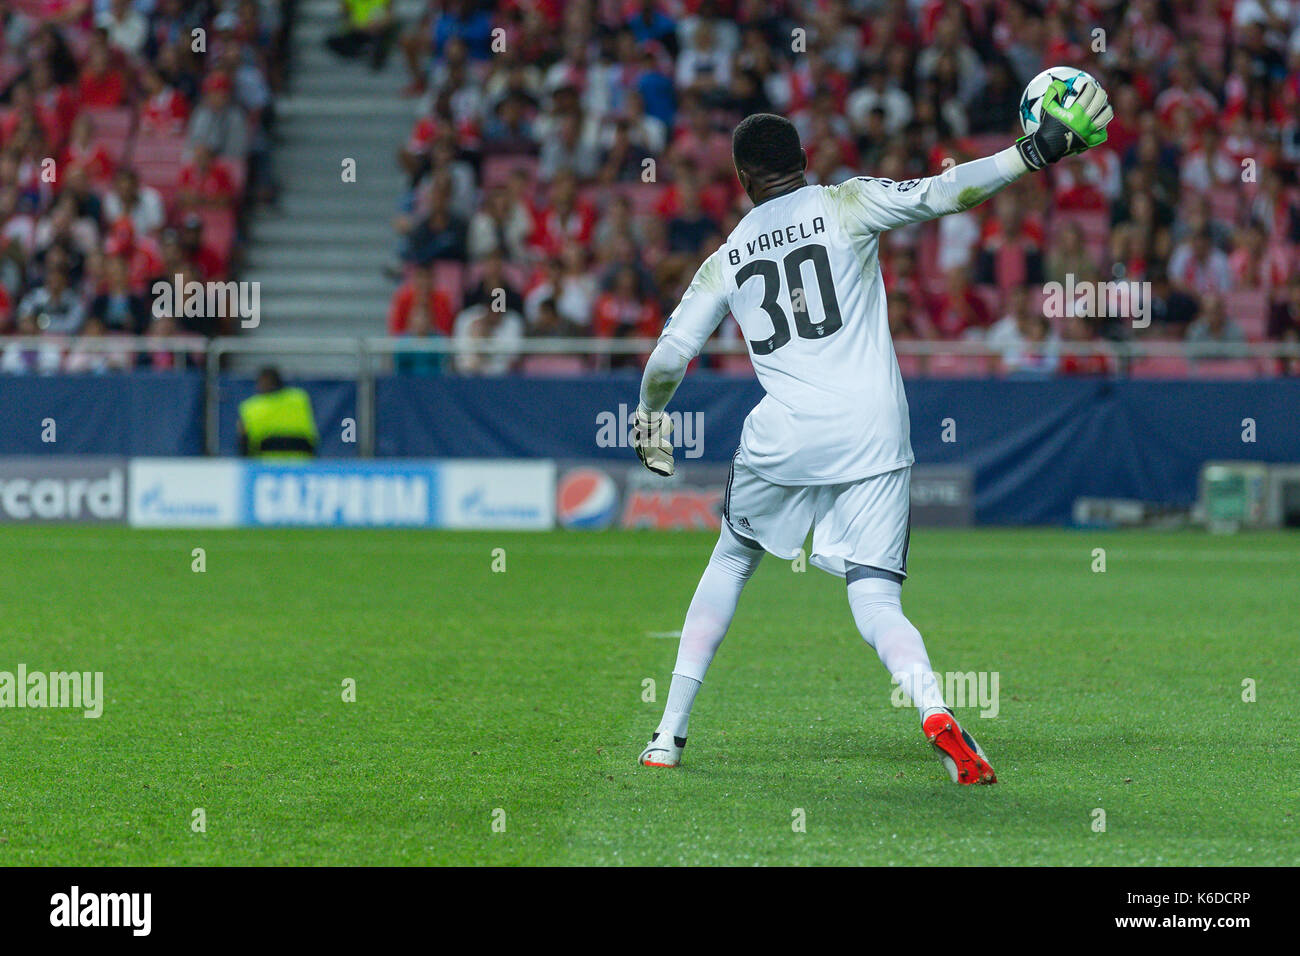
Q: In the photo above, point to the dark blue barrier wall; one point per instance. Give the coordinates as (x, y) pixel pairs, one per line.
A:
(159, 413)
(148, 414)
(1034, 446)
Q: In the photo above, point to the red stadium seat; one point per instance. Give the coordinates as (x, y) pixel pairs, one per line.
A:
(1010, 267)
(1097, 249)
(112, 130)
(1233, 369)
(450, 278)
(164, 177)
(1225, 204)
(934, 284)
(1210, 30)
(158, 160)
(643, 196)
(219, 232)
(498, 169)
(1249, 309)
(992, 298)
(910, 366)
(114, 120)
(958, 366)
(736, 365)
(1166, 366)
(10, 67)
(1037, 300)
(238, 172)
(516, 275)
(556, 365)
(153, 148)
(1095, 224)
(1286, 253)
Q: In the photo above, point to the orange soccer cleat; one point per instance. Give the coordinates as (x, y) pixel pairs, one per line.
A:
(960, 754)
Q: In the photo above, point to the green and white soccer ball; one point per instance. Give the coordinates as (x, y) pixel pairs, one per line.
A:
(1031, 101)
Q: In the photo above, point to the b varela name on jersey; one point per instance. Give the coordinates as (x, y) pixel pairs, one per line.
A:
(767, 241)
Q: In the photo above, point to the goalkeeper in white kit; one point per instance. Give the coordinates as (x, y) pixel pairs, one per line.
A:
(828, 446)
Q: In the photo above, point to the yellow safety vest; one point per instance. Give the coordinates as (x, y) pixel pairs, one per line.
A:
(362, 12)
(279, 424)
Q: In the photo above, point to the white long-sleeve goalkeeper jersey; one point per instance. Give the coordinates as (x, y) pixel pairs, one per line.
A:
(801, 276)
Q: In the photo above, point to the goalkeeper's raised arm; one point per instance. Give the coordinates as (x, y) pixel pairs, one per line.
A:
(880, 204)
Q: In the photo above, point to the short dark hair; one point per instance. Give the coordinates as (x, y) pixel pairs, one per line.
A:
(269, 380)
(767, 145)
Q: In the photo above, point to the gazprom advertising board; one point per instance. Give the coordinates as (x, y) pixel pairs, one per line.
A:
(184, 493)
(379, 494)
(398, 495)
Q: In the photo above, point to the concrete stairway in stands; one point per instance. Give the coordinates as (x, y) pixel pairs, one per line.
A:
(319, 258)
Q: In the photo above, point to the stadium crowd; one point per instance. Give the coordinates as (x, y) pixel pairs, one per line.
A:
(133, 133)
(572, 164)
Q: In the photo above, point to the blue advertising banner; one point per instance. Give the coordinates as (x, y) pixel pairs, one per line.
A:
(321, 494)
(232, 493)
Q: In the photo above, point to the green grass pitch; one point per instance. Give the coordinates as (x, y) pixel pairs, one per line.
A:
(515, 698)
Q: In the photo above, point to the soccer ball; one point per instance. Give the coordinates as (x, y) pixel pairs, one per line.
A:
(1031, 101)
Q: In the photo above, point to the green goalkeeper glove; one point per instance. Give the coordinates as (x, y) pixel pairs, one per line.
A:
(1065, 132)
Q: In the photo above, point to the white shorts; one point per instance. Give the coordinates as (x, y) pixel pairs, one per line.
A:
(865, 522)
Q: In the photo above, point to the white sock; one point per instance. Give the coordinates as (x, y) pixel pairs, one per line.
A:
(707, 620)
(677, 712)
(878, 611)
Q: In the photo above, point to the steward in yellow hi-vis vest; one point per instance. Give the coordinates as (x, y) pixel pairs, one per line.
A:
(277, 422)
(368, 27)
(364, 13)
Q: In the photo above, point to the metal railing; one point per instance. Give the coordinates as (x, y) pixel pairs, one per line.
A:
(369, 351)
(389, 345)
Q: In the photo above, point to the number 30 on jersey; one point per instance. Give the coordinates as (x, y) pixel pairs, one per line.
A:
(770, 272)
